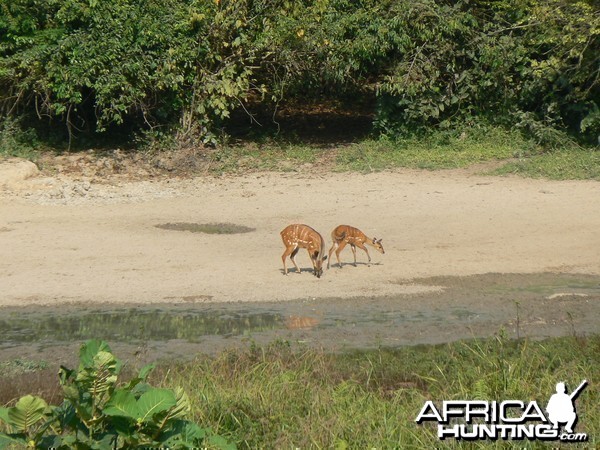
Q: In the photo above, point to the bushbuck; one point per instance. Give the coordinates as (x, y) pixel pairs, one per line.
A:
(298, 236)
(346, 235)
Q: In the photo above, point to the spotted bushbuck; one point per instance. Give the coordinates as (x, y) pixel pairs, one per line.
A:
(346, 235)
(298, 236)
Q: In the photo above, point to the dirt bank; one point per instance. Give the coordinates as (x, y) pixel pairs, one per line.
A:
(69, 239)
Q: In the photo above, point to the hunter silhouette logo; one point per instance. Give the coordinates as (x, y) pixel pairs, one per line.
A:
(561, 406)
(510, 419)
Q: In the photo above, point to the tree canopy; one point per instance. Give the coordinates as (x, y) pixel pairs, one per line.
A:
(428, 63)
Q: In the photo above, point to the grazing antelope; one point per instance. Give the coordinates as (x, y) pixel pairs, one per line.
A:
(298, 236)
(346, 235)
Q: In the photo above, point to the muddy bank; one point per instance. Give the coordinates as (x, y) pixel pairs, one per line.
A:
(535, 305)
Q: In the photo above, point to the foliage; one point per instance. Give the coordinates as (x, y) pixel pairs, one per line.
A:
(288, 396)
(433, 63)
(567, 164)
(500, 60)
(20, 366)
(99, 413)
(14, 141)
(296, 397)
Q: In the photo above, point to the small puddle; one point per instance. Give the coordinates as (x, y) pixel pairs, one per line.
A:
(541, 305)
(209, 228)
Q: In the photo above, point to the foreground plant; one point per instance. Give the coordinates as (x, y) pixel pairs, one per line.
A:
(99, 413)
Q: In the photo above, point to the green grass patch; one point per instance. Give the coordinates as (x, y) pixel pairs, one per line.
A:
(281, 397)
(450, 149)
(268, 156)
(440, 150)
(18, 142)
(571, 164)
(20, 366)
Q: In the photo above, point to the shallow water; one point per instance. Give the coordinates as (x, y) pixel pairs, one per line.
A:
(539, 305)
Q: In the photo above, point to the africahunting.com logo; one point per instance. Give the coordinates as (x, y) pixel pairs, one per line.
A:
(510, 419)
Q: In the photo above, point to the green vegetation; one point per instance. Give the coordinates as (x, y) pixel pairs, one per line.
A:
(98, 413)
(131, 325)
(15, 141)
(271, 155)
(287, 398)
(574, 164)
(20, 366)
(442, 84)
(183, 67)
(441, 150)
(284, 397)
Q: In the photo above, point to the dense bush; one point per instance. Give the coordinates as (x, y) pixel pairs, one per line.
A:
(100, 413)
(527, 63)
(189, 63)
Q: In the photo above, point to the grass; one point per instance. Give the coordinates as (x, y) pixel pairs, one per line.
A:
(439, 150)
(269, 156)
(281, 397)
(448, 150)
(571, 164)
(20, 366)
(16, 142)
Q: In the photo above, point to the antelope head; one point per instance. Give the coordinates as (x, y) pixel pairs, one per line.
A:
(318, 257)
(377, 245)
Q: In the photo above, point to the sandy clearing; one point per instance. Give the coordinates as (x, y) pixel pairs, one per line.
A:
(65, 241)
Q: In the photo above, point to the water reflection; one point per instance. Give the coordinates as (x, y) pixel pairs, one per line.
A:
(300, 323)
(472, 306)
(132, 325)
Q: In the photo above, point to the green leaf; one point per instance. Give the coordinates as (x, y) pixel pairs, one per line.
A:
(220, 442)
(6, 440)
(155, 401)
(103, 442)
(182, 406)
(145, 371)
(89, 350)
(122, 403)
(104, 359)
(26, 412)
(183, 434)
(4, 415)
(65, 375)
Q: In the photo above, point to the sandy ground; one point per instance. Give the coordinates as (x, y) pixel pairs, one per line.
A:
(64, 239)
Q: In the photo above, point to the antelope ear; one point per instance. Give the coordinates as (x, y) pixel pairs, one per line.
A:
(379, 241)
(374, 240)
(325, 258)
